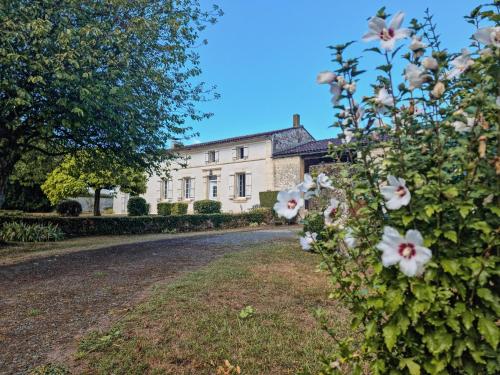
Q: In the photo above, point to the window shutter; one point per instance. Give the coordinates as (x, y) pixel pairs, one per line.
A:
(170, 189)
(245, 152)
(206, 157)
(191, 189)
(233, 152)
(162, 189)
(180, 189)
(216, 156)
(231, 186)
(206, 187)
(248, 185)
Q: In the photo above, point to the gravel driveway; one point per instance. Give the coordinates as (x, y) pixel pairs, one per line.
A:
(47, 304)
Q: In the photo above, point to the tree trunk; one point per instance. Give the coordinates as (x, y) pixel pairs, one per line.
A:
(97, 202)
(6, 168)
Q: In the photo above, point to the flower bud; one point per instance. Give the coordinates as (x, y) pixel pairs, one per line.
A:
(438, 90)
(482, 146)
(351, 88)
(430, 63)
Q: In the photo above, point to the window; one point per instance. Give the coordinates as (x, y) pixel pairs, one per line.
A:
(212, 187)
(169, 189)
(188, 188)
(212, 156)
(240, 153)
(240, 185)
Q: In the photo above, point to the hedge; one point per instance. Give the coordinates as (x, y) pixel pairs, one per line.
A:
(164, 208)
(137, 206)
(102, 225)
(268, 198)
(179, 208)
(207, 206)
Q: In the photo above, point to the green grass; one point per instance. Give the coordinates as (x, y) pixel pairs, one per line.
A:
(193, 325)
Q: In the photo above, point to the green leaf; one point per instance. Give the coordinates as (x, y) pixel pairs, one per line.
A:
(486, 294)
(246, 312)
(489, 330)
(438, 341)
(451, 235)
(450, 192)
(407, 219)
(371, 329)
(411, 365)
(391, 333)
(467, 319)
(394, 299)
(450, 266)
(482, 226)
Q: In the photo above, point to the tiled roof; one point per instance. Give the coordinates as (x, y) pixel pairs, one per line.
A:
(239, 138)
(312, 147)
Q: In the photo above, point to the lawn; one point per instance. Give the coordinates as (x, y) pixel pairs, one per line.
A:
(191, 326)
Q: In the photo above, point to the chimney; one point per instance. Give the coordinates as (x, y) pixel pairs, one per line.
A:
(296, 120)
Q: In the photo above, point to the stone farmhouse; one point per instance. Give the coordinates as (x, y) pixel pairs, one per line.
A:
(234, 170)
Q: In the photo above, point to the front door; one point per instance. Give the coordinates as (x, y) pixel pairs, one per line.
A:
(212, 188)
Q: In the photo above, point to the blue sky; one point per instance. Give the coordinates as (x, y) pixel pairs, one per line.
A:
(264, 55)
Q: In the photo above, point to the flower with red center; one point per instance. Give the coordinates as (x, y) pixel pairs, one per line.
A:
(331, 212)
(386, 34)
(407, 251)
(395, 193)
(289, 203)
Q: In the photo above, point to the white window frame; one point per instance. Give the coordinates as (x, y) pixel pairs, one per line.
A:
(187, 188)
(240, 153)
(169, 189)
(240, 185)
(211, 157)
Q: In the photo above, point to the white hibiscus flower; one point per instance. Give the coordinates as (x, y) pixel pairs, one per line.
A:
(415, 75)
(326, 77)
(386, 34)
(460, 64)
(349, 239)
(430, 63)
(307, 240)
(489, 36)
(336, 91)
(288, 204)
(324, 181)
(332, 213)
(348, 135)
(416, 43)
(384, 100)
(308, 187)
(464, 127)
(395, 193)
(407, 251)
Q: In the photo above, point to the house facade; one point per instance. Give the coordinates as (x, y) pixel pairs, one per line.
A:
(234, 170)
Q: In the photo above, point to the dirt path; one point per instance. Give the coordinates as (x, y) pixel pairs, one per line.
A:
(47, 304)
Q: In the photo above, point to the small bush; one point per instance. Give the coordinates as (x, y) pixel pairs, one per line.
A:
(268, 198)
(16, 231)
(179, 208)
(266, 214)
(164, 208)
(207, 206)
(314, 223)
(137, 206)
(69, 208)
(49, 369)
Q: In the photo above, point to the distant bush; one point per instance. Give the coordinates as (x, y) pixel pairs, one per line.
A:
(164, 208)
(179, 208)
(207, 206)
(69, 208)
(18, 231)
(137, 206)
(268, 198)
(26, 198)
(111, 225)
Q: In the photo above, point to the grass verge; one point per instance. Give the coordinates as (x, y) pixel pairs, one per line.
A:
(252, 308)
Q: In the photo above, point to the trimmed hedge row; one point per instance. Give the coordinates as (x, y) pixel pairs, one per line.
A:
(268, 198)
(92, 226)
(207, 206)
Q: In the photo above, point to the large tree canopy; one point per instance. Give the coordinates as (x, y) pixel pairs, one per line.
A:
(97, 171)
(113, 75)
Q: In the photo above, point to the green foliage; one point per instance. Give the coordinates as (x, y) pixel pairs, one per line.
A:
(110, 225)
(137, 206)
(207, 206)
(314, 222)
(268, 214)
(246, 312)
(26, 198)
(73, 82)
(268, 198)
(76, 174)
(164, 208)
(442, 318)
(69, 208)
(179, 208)
(96, 341)
(19, 231)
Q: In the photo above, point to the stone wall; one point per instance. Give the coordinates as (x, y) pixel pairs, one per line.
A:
(288, 172)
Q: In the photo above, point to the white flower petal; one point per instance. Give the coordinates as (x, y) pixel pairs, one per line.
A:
(422, 255)
(388, 191)
(393, 181)
(394, 203)
(397, 20)
(413, 236)
(408, 267)
(376, 24)
(390, 258)
(370, 35)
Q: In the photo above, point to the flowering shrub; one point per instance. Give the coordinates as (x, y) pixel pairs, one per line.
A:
(412, 247)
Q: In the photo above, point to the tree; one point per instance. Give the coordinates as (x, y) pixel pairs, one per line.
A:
(112, 75)
(78, 173)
